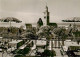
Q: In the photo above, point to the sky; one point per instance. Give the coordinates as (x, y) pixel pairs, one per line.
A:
(29, 11)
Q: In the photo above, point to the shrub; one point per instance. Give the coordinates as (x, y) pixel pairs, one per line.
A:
(48, 53)
(19, 44)
(26, 50)
(20, 51)
(19, 56)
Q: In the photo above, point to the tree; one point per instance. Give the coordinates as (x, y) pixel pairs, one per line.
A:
(46, 31)
(61, 34)
(48, 53)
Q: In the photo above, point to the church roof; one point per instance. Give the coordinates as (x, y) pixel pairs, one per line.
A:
(40, 22)
(52, 24)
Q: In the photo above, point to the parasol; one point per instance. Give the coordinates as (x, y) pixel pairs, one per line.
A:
(10, 19)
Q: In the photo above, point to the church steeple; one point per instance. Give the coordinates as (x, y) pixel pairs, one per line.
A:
(46, 8)
(46, 16)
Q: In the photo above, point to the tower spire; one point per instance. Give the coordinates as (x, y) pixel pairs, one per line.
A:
(46, 15)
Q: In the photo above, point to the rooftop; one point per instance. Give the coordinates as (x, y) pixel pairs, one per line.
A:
(40, 43)
(71, 43)
(15, 41)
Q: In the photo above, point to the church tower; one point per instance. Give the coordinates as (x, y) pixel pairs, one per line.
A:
(46, 16)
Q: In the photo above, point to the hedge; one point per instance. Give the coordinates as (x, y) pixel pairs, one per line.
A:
(20, 44)
(48, 53)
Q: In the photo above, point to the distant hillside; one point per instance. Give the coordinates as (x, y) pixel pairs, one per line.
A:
(72, 19)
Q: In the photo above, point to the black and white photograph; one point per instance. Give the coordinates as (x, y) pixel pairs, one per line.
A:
(39, 28)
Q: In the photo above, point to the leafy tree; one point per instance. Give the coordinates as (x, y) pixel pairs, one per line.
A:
(48, 53)
(47, 33)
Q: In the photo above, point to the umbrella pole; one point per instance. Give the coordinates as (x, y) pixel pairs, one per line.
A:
(10, 24)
